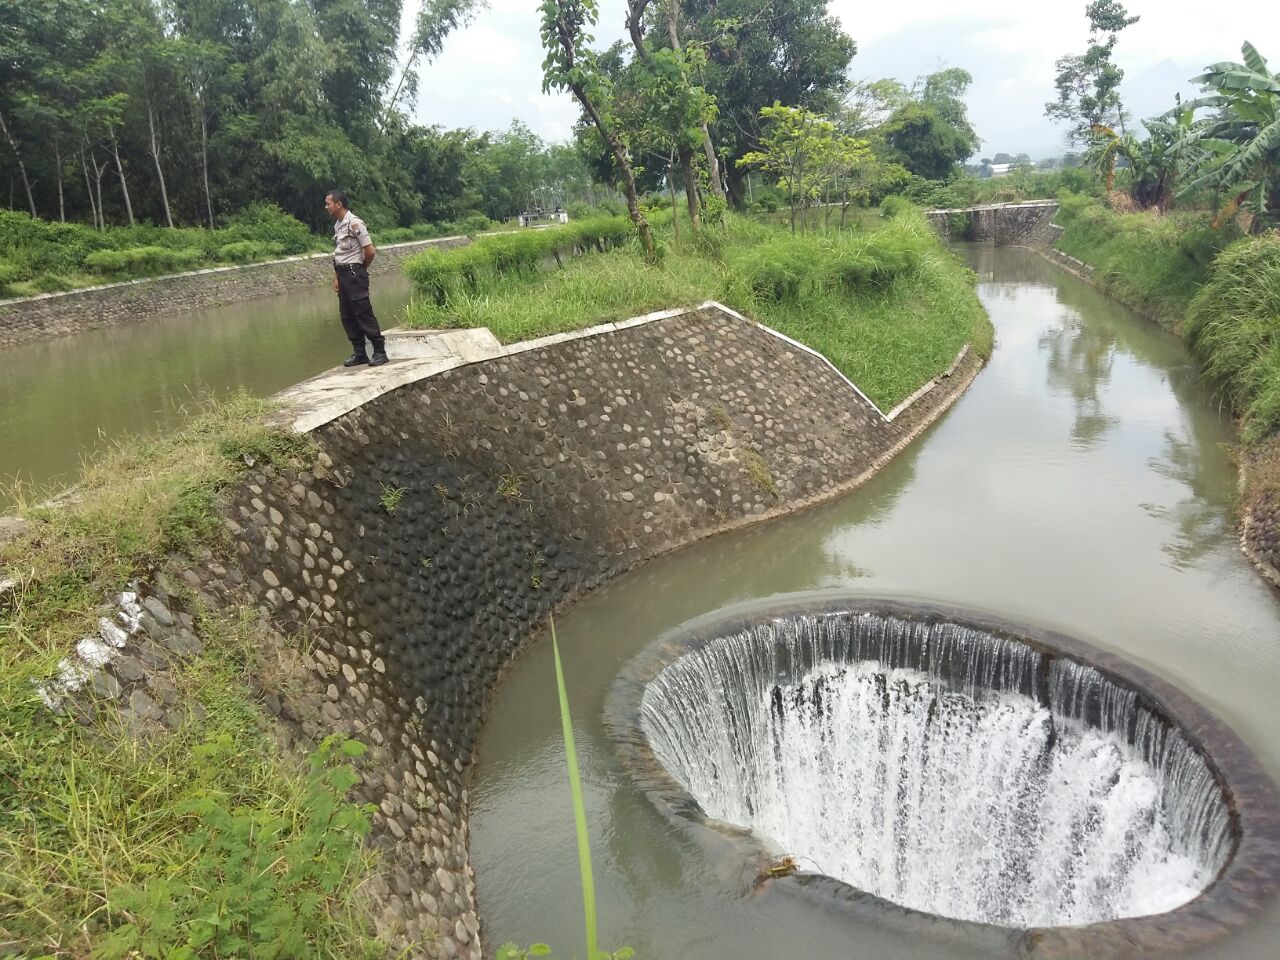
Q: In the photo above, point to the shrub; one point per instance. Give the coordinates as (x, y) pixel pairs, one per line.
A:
(37, 246)
(895, 206)
(248, 251)
(768, 198)
(267, 223)
(9, 273)
(1233, 323)
(473, 223)
(439, 274)
(783, 269)
(430, 272)
(140, 261)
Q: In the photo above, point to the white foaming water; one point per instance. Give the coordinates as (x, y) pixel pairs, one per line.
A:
(958, 796)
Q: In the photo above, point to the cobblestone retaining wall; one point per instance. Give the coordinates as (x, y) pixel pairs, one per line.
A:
(1260, 508)
(60, 314)
(1012, 224)
(446, 518)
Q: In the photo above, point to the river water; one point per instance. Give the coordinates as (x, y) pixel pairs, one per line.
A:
(63, 398)
(1083, 484)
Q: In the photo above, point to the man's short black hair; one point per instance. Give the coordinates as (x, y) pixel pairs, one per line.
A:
(340, 197)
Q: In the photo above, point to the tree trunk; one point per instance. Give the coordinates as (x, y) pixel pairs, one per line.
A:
(615, 145)
(736, 179)
(624, 164)
(88, 188)
(204, 165)
(22, 168)
(713, 162)
(671, 188)
(690, 188)
(395, 95)
(155, 155)
(98, 171)
(124, 187)
(57, 169)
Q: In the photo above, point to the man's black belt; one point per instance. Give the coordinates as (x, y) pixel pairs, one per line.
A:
(348, 266)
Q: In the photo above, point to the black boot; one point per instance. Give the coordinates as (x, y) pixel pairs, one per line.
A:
(357, 358)
(379, 354)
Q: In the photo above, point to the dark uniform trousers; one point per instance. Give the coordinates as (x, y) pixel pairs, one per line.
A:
(353, 304)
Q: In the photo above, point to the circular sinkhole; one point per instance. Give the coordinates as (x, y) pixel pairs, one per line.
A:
(952, 764)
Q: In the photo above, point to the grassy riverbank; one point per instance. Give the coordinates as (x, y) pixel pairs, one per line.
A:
(1233, 324)
(196, 839)
(1151, 262)
(888, 305)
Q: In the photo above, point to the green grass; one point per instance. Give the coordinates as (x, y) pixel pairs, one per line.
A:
(1233, 324)
(111, 846)
(888, 306)
(1151, 262)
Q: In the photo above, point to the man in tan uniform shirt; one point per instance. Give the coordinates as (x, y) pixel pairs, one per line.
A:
(353, 252)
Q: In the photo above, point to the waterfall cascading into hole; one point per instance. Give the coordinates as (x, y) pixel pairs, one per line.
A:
(944, 768)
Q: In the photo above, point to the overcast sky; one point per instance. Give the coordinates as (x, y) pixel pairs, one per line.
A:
(491, 72)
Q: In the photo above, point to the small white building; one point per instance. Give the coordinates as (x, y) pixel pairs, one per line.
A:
(1004, 169)
(531, 217)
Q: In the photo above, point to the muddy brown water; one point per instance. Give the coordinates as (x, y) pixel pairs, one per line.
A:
(1082, 484)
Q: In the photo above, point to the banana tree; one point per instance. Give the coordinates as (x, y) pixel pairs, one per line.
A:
(1236, 151)
(1152, 162)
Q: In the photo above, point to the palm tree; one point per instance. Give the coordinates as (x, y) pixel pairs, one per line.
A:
(1237, 151)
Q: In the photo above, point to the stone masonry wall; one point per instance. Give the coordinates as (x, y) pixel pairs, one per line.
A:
(1012, 224)
(60, 314)
(446, 518)
(1026, 224)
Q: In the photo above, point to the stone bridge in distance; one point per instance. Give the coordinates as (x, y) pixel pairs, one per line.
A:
(1008, 224)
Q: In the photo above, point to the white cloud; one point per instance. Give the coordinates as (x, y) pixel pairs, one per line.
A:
(492, 71)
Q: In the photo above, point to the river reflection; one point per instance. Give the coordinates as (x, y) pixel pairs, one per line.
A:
(1083, 483)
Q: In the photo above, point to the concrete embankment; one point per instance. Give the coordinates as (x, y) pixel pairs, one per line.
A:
(60, 314)
(462, 495)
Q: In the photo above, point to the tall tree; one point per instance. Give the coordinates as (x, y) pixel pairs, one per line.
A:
(762, 52)
(210, 78)
(570, 65)
(361, 36)
(679, 108)
(926, 144)
(34, 38)
(1089, 84)
(436, 19)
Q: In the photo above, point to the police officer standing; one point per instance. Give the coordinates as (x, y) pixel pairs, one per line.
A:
(353, 252)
